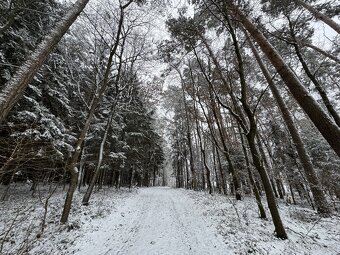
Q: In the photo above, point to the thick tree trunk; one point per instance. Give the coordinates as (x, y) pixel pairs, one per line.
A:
(271, 201)
(73, 170)
(319, 197)
(69, 195)
(15, 87)
(274, 188)
(329, 130)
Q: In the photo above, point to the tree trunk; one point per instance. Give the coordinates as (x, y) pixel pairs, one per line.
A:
(221, 130)
(274, 188)
(292, 193)
(279, 189)
(319, 197)
(119, 179)
(279, 228)
(251, 134)
(96, 99)
(223, 134)
(217, 179)
(132, 176)
(321, 120)
(108, 124)
(222, 173)
(320, 16)
(251, 178)
(316, 83)
(69, 195)
(15, 87)
(100, 159)
(189, 140)
(81, 173)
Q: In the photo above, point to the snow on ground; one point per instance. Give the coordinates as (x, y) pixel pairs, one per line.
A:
(22, 214)
(156, 221)
(245, 233)
(159, 221)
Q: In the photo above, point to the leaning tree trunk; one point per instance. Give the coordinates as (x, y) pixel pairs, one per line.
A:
(251, 133)
(315, 185)
(329, 130)
(326, 54)
(15, 87)
(279, 228)
(316, 83)
(319, 15)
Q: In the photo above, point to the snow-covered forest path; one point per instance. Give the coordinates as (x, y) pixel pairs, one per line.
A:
(154, 221)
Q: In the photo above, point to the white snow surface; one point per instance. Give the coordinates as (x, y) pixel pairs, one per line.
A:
(160, 221)
(156, 221)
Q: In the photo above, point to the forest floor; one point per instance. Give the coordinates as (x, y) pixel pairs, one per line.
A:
(158, 221)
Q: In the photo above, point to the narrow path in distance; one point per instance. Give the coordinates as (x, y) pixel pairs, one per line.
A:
(155, 221)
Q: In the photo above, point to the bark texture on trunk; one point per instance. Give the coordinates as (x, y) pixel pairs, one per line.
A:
(69, 196)
(15, 87)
